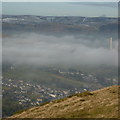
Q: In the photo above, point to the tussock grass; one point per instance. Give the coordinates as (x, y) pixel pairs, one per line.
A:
(102, 103)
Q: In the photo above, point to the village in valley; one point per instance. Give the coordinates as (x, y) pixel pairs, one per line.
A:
(27, 93)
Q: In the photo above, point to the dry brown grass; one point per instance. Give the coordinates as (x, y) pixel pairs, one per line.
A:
(102, 103)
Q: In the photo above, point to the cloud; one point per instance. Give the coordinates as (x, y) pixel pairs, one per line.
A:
(45, 50)
(99, 4)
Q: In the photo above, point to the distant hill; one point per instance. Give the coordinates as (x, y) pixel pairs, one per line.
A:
(102, 103)
(63, 25)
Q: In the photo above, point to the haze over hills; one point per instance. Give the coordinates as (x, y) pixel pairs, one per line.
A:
(47, 58)
(63, 24)
(102, 103)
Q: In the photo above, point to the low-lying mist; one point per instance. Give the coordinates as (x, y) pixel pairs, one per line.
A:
(38, 49)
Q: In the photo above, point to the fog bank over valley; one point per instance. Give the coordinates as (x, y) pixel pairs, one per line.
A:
(39, 49)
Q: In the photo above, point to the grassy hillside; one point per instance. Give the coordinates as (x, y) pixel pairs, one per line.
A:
(102, 103)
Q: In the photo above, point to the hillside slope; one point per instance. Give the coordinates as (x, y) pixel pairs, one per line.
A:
(102, 103)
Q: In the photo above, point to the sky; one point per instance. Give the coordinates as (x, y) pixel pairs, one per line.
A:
(60, 0)
(87, 9)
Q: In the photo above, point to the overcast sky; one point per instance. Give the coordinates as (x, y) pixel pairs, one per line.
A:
(60, 0)
(61, 8)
